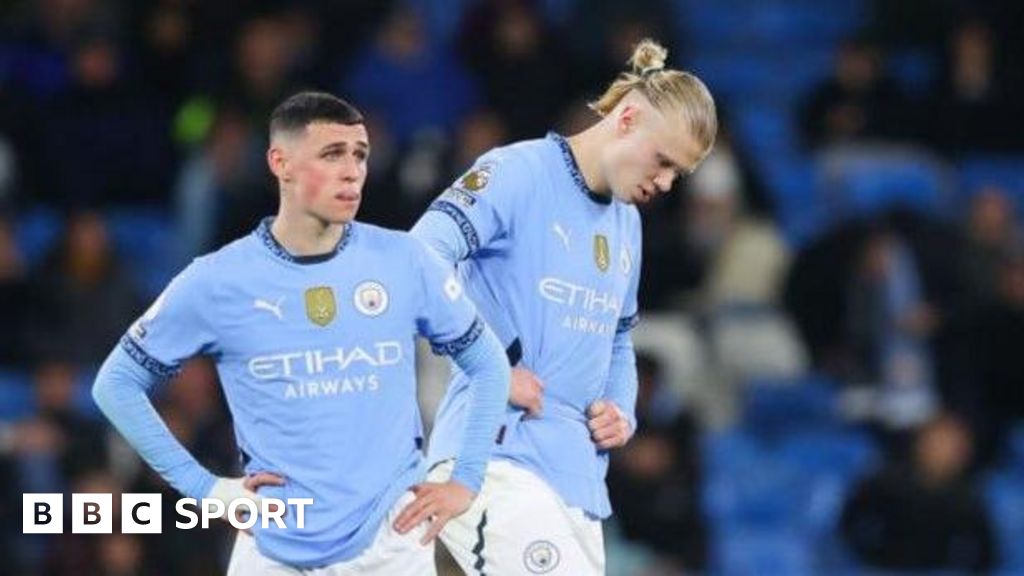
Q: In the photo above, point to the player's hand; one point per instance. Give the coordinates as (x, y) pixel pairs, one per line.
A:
(527, 391)
(609, 427)
(435, 503)
(228, 490)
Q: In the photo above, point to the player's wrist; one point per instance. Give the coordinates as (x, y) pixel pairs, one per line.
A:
(471, 480)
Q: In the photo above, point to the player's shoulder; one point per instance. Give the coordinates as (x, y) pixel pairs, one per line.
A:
(513, 157)
(374, 238)
(218, 264)
(234, 252)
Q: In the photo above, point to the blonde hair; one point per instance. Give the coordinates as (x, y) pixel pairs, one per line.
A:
(666, 89)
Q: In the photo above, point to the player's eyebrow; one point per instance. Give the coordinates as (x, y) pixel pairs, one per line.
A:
(679, 168)
(343, 145)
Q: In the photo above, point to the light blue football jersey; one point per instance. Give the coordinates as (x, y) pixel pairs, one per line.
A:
(316, 359)
(553, 269)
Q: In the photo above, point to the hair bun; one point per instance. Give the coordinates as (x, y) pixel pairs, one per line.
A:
(648, 57)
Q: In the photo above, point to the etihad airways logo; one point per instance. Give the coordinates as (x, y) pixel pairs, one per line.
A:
(309, 363)
(580, 298)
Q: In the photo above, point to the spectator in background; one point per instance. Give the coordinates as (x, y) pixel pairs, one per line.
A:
(104, 141)
(409, 83)
(858, 103)
(221, 188)
(655, 479)
(973, 109)
(14, 293)
(889, 324)
(997, 367)
(416, 94)
(990, 231)
(83, 296)
(505, 41)
(80, 440)
(714, 244)
(927, 517)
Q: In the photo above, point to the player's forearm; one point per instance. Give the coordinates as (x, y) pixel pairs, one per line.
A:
(120, 391)
(621, 386)
(485, 364)
(442, 234)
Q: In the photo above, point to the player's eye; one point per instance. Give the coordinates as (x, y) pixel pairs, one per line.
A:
(331, 155)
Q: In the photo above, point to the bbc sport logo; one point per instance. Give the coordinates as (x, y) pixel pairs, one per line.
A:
(143, 513)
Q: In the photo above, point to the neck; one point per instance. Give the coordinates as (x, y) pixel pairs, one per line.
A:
(305, 235)
(585, 148)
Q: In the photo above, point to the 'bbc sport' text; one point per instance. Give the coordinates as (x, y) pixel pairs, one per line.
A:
(143, 513)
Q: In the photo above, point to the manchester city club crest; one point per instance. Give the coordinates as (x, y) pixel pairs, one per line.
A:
(602, 256)
(541, 557)
(320, 306)
(370, 298)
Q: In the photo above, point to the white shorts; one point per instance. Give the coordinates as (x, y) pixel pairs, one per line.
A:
(390, 554)
(519, 525)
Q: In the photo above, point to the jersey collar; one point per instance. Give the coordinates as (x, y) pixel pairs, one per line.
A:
(271, 243)
(574, 169)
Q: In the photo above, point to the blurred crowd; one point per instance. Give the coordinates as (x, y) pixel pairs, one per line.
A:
(122, 121)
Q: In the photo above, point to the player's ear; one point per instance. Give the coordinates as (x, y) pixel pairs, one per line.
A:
(626, 119)
(277, 160)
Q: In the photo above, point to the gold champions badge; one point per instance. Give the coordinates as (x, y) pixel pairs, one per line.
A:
(602, 256)
(320, 307)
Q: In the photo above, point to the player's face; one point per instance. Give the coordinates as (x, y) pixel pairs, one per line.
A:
(329, 170)
(652, 150)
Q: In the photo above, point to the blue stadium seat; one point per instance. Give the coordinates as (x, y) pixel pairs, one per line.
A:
(144, 239)
(778, 408)
(84, 403)
(741, 552)
(1006, 172)
(36, 232)
(1004, 492)
(16, 395)
(881, 180)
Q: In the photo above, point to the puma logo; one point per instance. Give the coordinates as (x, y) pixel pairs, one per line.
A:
(274, 309)
(561, 233)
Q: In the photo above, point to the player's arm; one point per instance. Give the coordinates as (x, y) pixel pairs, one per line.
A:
(148, 355)
(450, 322)
(612, 419)
(477, 210)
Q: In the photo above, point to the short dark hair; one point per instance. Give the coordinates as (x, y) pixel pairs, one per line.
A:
(302, 109)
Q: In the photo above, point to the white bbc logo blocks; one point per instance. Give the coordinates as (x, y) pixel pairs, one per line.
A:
(42, 513)
(92, 514)
(141, 514)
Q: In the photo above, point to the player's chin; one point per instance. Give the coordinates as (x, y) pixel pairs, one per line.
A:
(344, 212)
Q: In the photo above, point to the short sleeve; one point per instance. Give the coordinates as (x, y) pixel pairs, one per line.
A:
(483, 201)
(174, 328)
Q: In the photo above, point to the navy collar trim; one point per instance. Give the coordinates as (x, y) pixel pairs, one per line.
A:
(265, 236)
(574, 169)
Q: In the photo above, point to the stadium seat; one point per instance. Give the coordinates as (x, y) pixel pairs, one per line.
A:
(780, 406)
(739, 552)
(1006, 172)
(16, 395)
(673, 340)
(36, 232)
(144, 238)
(757, 342)
(870, 180)
(1004, 492)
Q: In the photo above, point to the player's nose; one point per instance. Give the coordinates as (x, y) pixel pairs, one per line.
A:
(664, 180)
